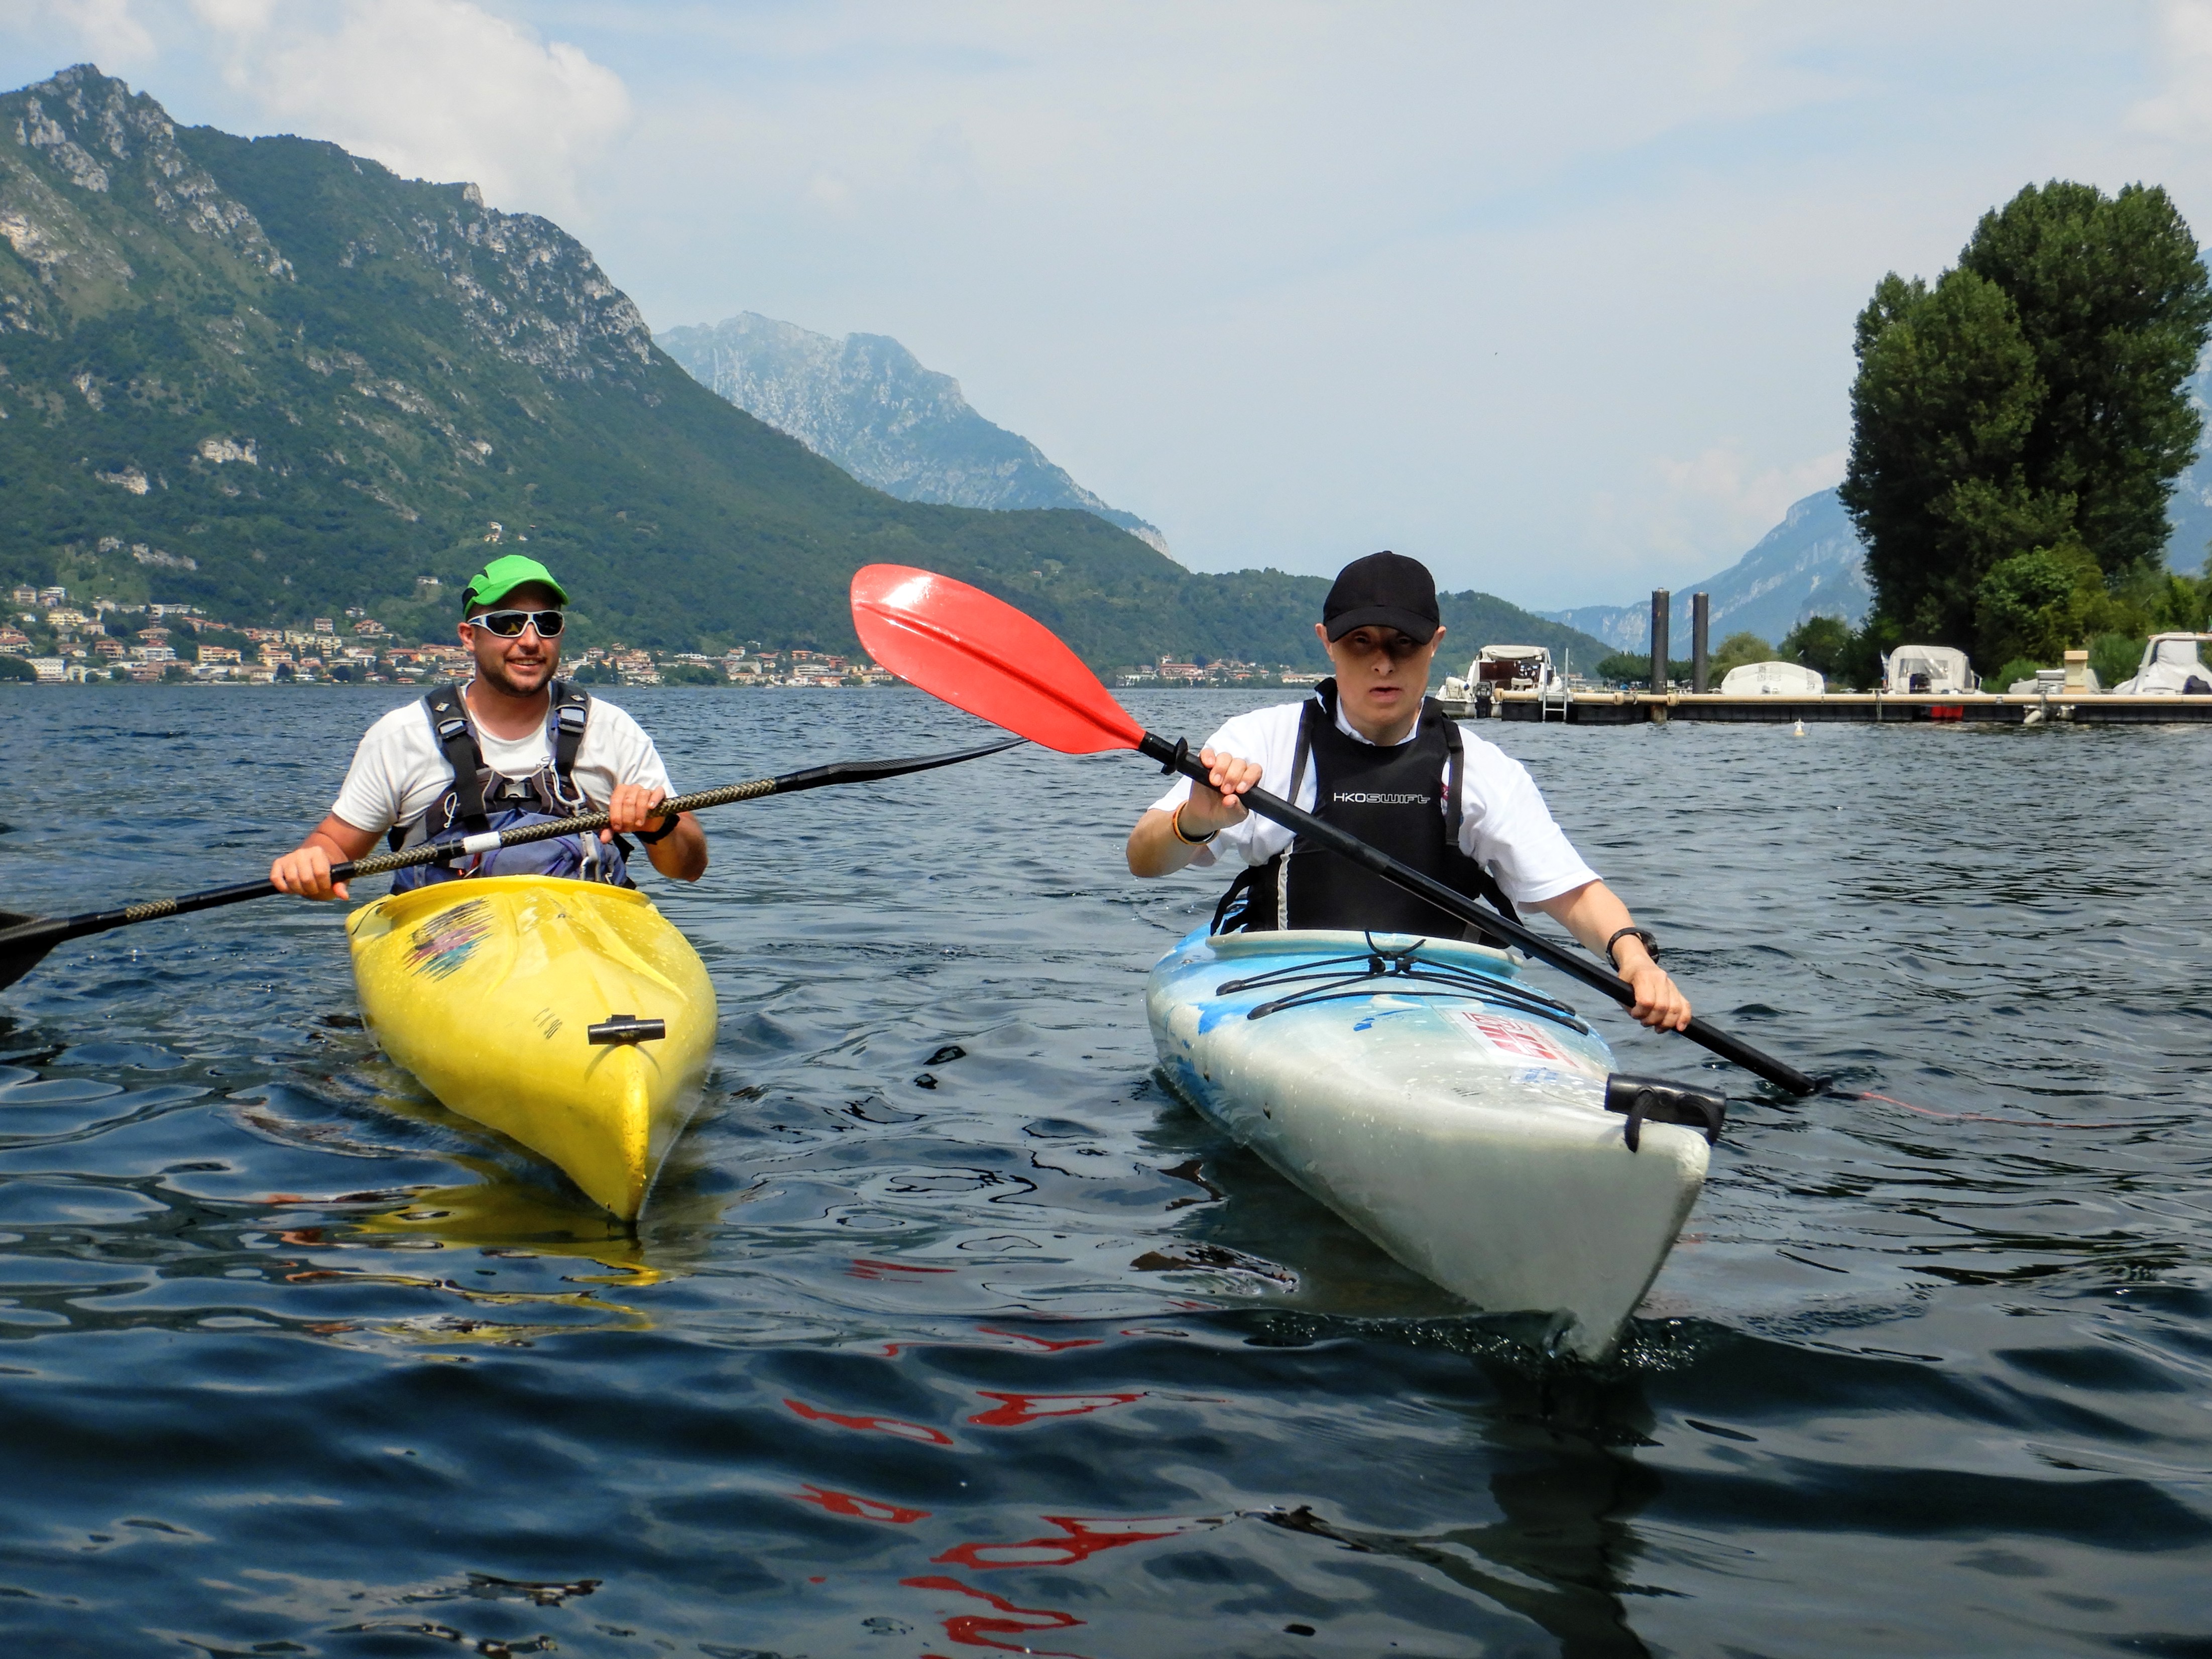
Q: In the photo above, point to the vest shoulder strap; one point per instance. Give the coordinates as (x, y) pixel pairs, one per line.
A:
(1315, 710)
(456, 736)
(1485, 884)
(572, 713)
(1455, 765)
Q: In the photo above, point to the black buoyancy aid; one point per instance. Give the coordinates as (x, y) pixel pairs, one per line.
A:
(1405, 800)
(480, 799)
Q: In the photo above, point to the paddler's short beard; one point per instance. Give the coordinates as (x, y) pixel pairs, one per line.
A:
(495, 673)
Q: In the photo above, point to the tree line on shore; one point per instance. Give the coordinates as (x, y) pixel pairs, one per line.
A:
(2017, 427)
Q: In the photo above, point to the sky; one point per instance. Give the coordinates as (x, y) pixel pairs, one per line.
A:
(1556, 298)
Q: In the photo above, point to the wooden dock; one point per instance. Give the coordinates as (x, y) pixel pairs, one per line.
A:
(1979, 707)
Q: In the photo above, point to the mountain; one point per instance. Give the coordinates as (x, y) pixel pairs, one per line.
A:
(1811, 564)
(868, 404)
(276, 379)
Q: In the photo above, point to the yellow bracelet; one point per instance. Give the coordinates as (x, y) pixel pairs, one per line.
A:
(1175, 823)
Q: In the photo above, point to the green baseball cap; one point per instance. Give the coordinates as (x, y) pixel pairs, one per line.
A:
(503, 575)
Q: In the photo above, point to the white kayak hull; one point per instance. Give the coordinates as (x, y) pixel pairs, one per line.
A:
(1451, 1117)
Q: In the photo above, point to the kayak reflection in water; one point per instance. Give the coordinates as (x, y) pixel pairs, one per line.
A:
(514, 746)
(1371, 753)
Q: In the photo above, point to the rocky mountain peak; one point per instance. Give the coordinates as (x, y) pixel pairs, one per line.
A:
(91, 133)
(868, 404)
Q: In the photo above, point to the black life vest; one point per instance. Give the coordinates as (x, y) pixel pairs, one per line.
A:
(1405, 800)
(480, 799)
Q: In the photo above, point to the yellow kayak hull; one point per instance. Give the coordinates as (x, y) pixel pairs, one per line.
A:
(483, 989)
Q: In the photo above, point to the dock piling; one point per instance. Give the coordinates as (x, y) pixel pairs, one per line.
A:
(1700, 621)
(1660, 596)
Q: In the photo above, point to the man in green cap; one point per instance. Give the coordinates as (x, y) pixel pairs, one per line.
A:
(514, 746)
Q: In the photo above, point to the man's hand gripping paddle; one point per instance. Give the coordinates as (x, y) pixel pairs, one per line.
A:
(25, 940)
(979, 654)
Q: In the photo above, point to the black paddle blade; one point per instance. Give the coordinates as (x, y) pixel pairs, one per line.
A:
(19, 957)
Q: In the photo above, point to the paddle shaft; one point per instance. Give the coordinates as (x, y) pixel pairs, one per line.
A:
(42, 935)
(1177, 757)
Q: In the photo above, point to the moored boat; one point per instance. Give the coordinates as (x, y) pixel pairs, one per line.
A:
(1447, 1109)
(570, 1016)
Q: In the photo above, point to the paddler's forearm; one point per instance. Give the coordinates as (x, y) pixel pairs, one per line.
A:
(683, 855)
(1155, 849)
(1593, 913)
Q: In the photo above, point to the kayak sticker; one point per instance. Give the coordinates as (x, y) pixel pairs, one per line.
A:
(1517, 1037)
(449, 938)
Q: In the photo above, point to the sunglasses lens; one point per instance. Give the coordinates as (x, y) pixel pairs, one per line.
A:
(509, 624)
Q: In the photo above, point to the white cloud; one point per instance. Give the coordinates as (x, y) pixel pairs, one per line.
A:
(106, 30)
(2182, 108)
(433, 88)
(1724, 494)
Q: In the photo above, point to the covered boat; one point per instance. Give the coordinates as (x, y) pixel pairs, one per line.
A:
(570, 1016)
(2170, 668)
(1772, 679)
(1452, 1112)
(1502, 668)
(1930, 669)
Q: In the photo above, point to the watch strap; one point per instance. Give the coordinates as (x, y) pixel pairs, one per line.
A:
(1650, 944)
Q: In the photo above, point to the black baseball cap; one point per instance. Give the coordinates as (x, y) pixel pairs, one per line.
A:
(1383, 590)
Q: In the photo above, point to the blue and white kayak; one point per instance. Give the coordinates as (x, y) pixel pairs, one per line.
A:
(1442, 1106)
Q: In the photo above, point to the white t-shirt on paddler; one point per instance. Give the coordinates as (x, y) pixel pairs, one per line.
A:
(1505, 825)
(399, 771)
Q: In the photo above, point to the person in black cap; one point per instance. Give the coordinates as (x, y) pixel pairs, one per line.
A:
(1371, 752)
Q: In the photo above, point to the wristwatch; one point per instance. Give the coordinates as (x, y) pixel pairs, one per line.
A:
(668, 829)
(1649, 943)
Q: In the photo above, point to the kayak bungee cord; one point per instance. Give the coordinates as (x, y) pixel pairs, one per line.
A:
(25, 940)
(1397, 967)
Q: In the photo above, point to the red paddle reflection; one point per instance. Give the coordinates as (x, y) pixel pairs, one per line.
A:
(1017, 1409)
(865, 1508)
(890, 1426)
(1081, 1540)
(863, 1268)
(1042, 1344)
(969, 1629)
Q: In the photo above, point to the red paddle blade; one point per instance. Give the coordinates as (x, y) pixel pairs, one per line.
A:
(979, 654)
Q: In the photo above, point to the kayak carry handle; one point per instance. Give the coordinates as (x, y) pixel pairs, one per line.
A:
(1644, 1100)
(626, 1028)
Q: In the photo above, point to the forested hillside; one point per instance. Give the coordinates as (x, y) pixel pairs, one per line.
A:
(274, 378)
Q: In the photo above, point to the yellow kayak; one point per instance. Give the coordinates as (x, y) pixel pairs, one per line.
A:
(568, 1015)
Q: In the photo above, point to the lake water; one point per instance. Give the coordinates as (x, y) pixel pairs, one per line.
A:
(920, 1351)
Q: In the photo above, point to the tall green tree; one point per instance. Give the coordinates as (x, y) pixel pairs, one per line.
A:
(2017, 426)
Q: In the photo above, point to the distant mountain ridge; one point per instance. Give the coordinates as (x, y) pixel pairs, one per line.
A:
(1811, 564)
(867, 402)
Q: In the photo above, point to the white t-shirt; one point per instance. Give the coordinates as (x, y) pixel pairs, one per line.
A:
(1505, 825)
(399, 771)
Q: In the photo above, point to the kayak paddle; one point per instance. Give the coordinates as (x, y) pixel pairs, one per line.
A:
(25, 940)
(979, 654)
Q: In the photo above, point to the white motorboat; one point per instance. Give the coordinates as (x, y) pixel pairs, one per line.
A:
(2170, 668)
(1502, 668)
(1772, 679)
(1928, 669)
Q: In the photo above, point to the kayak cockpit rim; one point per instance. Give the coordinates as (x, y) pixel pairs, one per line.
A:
(1279, 942)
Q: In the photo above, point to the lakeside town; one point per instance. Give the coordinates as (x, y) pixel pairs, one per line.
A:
(54, 638)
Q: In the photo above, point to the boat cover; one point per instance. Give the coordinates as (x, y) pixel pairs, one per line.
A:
(2170, 667)
(1773, 679)
(1945, 667)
